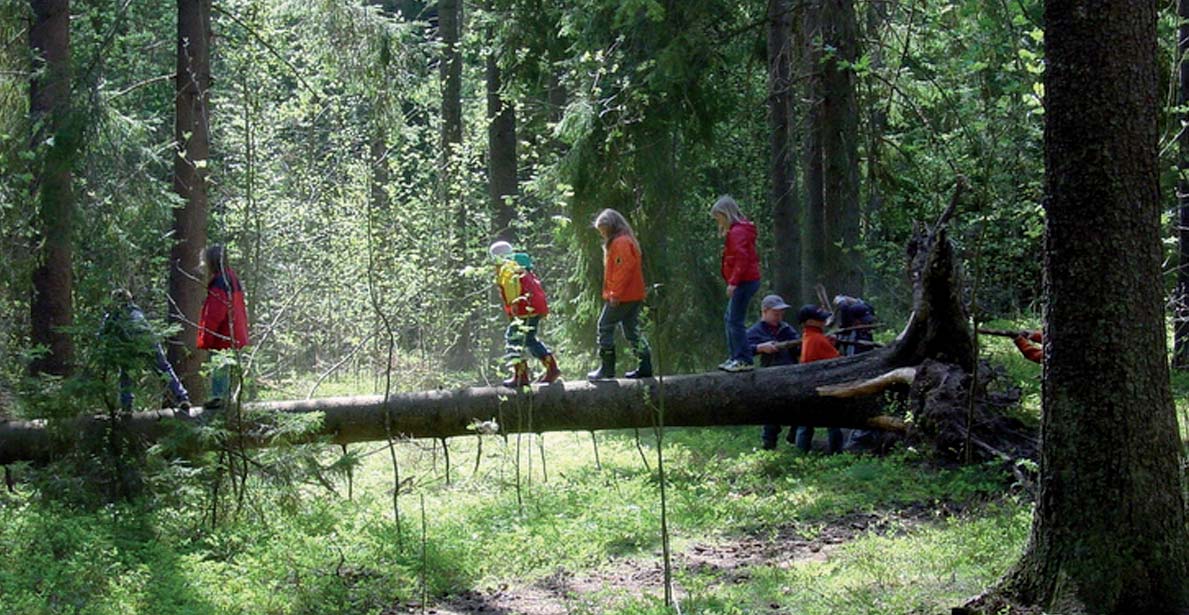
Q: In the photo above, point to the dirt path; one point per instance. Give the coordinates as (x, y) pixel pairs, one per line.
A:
(731, 560)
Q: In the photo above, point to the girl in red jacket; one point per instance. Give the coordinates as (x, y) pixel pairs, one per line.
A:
(623, 295)
(224, 320)
(741, 271)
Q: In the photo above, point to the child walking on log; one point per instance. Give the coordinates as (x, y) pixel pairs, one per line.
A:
(741, 271)
(525, 303)
(223, 323)
(623, 296)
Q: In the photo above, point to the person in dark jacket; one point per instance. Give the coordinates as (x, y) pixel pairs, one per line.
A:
(223, 323)
(815, 346)
(740, 267)
(125, 324)
(765, 339)
(856, 322)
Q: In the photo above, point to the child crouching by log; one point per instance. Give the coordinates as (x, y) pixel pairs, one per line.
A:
(525, 303)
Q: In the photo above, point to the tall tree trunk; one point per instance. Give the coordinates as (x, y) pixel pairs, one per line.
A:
(813, 226)
(380, 177)
(501, 152)
(840, 148)
(460, 355)
(55, 134)
(1108, 533)
(192, 135)
(783, 199)
(877, 118)
(1181, 294)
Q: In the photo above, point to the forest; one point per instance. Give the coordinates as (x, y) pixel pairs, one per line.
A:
(299, 303)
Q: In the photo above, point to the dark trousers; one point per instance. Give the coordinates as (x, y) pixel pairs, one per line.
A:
(164, 369)
(624, 316)
(521, 336)
(833, 439)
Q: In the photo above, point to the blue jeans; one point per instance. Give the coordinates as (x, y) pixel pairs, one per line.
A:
(736, 312)
(627, 317)
(165, 370)
(833, 439)
(520, 336)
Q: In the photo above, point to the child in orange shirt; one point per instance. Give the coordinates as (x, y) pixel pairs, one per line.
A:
(623, 296)
(815, 346)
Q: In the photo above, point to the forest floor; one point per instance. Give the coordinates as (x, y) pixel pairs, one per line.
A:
(728, 562)
(563, 523)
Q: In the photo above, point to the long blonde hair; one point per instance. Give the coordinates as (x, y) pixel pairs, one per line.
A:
(727, 206)
(616, 226)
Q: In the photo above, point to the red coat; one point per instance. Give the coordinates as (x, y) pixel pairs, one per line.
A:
(623, 271)
(740, 263)
(815, 346)
(521, 291)
(1032, 353)
(223, 310)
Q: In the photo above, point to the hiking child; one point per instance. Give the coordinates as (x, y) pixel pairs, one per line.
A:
(125, 324)
(767, 339)
(623, 296)
(223, 323)
(741, 270)
(525, 303)
(856, 322)
(815, 346)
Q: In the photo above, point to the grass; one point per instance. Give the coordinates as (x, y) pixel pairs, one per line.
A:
(307, 550)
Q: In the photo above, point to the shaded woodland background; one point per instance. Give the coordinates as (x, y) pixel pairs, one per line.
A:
(358, 158)
(327, 177)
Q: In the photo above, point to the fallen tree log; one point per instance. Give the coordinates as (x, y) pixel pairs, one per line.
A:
(793, 395)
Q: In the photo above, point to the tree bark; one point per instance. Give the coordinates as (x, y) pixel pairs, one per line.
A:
(813, 227)
(501, 153)
(840, 148)
(790, 394)
(1181, 292)
(55, 134)
(192, 137)
(1108, 533)
(783, 199)
(460, 355)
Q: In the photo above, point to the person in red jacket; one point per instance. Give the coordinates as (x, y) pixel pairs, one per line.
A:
(623, 296)
(223, 323)
(815, 346)
(1024, 340)
(525, 303)
(741, 270)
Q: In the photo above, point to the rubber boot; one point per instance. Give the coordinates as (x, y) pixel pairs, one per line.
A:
(645, 368)
(520, 376)
(552, 372)
(606, 370)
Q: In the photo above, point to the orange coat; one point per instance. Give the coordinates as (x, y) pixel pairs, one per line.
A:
(1032, 353)
(623, 272)
(815, 346)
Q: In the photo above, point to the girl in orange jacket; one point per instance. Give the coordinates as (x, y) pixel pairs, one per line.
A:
(623, 296)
